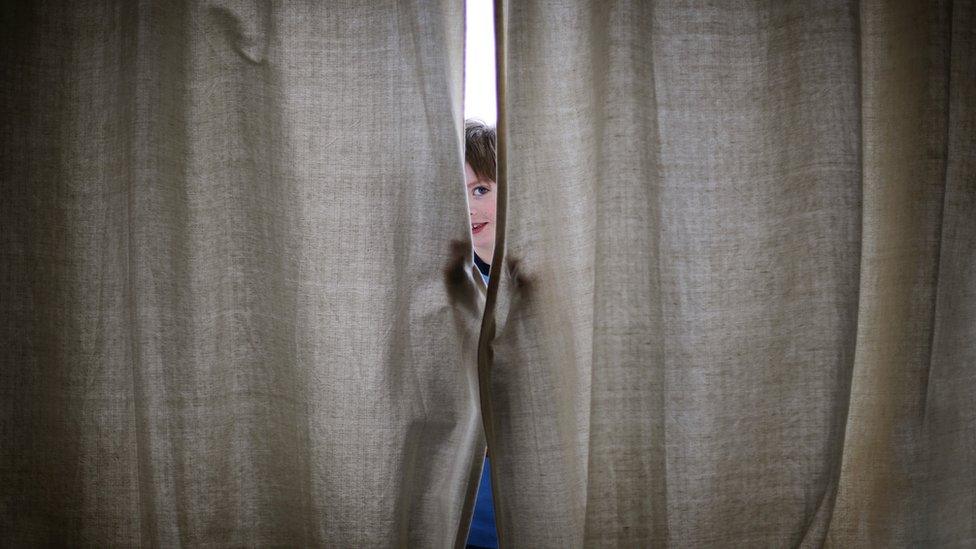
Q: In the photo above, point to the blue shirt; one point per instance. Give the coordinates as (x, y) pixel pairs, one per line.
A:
(483, 267)
(482, 533)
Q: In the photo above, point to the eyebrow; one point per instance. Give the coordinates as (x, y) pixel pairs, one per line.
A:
(481, 182)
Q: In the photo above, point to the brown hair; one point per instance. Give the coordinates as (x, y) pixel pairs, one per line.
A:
(479, 148)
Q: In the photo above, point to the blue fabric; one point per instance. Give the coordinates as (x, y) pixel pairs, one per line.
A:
(483, 267)
(482, 533)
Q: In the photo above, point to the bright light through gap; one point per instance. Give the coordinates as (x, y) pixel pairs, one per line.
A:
(479, 62)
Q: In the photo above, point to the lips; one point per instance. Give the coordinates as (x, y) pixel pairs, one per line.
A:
(477, 227)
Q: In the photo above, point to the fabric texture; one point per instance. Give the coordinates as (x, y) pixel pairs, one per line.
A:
(738, 299)
(735, 305)
(238, 301)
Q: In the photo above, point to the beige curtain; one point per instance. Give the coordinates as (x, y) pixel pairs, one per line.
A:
(738, 300)
(737, 305)
(237, 304)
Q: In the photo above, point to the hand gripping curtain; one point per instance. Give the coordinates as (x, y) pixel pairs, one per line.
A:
(738, 300)
(236, 290)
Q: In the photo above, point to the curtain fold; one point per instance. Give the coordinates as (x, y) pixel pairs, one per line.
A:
(738, 300)
(238, 299)
(910, 448)
(737, 303)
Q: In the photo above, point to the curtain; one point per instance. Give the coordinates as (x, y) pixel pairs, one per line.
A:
(734, 304)
(738, 295)
(237, 293)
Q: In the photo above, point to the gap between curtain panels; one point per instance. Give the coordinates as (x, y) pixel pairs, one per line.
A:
(485, 351)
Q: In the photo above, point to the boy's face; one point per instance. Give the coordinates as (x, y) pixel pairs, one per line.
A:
(481, 208)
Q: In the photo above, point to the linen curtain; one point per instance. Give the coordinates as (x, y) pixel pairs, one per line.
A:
(736, 306)
(738, 300)
(237, 295)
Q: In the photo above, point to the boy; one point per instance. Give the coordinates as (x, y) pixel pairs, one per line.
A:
(479, 183)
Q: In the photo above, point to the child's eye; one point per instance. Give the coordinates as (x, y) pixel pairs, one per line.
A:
(480, 190)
